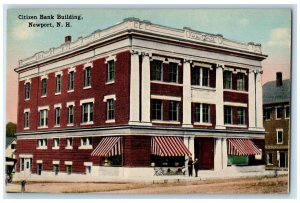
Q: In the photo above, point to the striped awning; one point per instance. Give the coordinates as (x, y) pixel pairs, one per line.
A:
(108, 146)
(242, 147)
(169, 146)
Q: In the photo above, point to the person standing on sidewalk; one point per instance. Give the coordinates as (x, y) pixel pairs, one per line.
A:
(190, 166)
(196, 166)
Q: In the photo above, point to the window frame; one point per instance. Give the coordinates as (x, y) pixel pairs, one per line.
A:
(268, 114)
(243, 110)
(226, 115)
(42, 143)
(282, 112)
(240, 82)
(155, 111)
(57, 115)
(87, 113)
(285, 112)
(110, 109)
(27, 90)
(43, 118)
(173, 74)
(44, 87)
(70, 114)
(277, 136)
(173, 111)
(199, 113)
(58, 83)
(110, 71)
(269, 156)
(87, 77)
(227, 81)
(71, 77)
(26, 120)
(157, 70)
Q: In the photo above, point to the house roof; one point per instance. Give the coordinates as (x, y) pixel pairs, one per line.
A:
(9, 140)
(273, 94)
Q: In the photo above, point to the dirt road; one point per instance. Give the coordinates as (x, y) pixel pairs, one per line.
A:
(258, 185)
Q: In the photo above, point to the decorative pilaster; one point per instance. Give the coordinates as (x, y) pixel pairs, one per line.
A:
(218, 154)
(251, 100)
(146, 102)
(224, 153)
(220, 97)
(134, 115)
(259, 104)
(187, 94)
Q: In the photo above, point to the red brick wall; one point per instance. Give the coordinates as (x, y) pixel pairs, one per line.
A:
(99, 89)
(235, 97)
(137, 150)
(78, 156)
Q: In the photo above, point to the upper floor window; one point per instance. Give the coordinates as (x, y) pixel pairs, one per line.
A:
(87, 112)
(279, 136)
(200, 76)
(173, 110)
(71, 81)
(241, 115)
(240, 82)
(287, 112)
(58, 84)
(86, 141)
(42, 143)
(56, 142)
(110, 71)
(202, 113)
(26, 119)
(268, 113)
(110, 109)
(43, 118)
(227, 115)
(57, 115)
(87, 77)
(69, 142)
(269, 158)
(156, 70)
(227, 79)
(44, 87)
(27, 90)
(279, 112)
(173, 72)
(70, 114)
(156, 109)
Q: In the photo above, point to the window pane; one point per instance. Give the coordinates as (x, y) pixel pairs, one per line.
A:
(156, 70)
(156, 109)
(173, 72)
(197, 112)
(205, 77)
(205, 113)
(227, 79)
(71, 80)
(240, 82)
(241, 115)
(111, 70)
(227, 115)
(87, 76)
(44, 87)
(173, 110)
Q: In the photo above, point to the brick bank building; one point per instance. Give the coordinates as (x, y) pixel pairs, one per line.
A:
(136, 96)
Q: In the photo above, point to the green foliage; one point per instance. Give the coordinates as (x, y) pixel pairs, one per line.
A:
(11, 129)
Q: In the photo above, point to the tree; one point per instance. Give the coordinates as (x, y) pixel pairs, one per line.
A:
(11, 129)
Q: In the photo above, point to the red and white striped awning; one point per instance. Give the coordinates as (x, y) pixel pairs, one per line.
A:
(108, 146)
(169, 146)
(242, 147)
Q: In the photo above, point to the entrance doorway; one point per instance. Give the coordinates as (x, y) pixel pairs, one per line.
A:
(282, 159)
(204, 151)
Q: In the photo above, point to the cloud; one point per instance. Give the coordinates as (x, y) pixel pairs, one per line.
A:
(243, 22)
(280, 37)
(22, 32)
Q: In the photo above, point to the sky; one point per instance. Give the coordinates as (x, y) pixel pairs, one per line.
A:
(269, 27)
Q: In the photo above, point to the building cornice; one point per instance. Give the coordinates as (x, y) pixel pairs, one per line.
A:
(143, 28)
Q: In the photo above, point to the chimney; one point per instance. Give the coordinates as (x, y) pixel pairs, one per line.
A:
(278, 79)
(68, 39)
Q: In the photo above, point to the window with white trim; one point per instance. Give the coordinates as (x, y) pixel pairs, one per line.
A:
(173, 72)
(26, 119)
(279, 133)
(227, 115)
(86, 141)
(287, 112)
(71, 80)
(156, 109)
(69, 142)
(173, 110)
(110, 109)
(279, 112)
(56, 142)
(156, 70)
(200, 76)
(110, 71)
(42, 143)
(227, 79)
(87, 76)
(57, 116)
(58, 84)
(240, 81)
(241, 115)
(87, 112)
(27, 90)
(268, 113)
(202, 113)
(44, 87)
(70, 114)
(43, 118)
